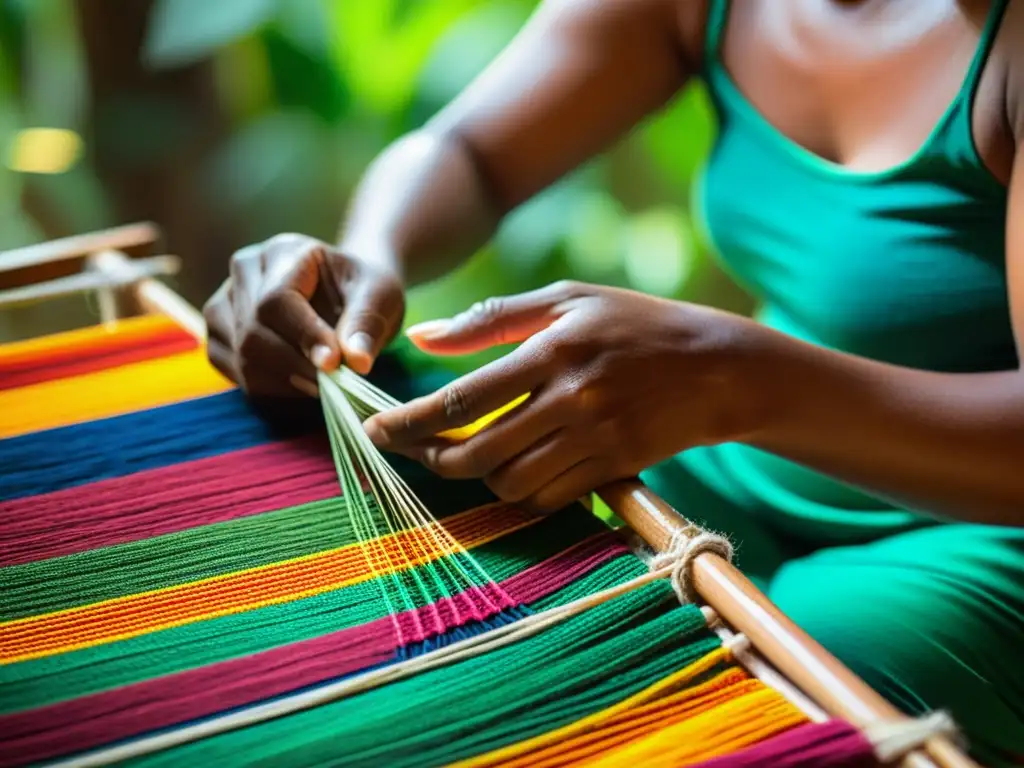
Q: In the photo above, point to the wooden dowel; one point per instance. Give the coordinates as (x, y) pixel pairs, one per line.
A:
(125, 238)
(791, 650)
(89, 281)
(153, 297)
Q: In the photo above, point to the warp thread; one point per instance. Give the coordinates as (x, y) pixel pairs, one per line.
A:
(893, 740)
(689, 543)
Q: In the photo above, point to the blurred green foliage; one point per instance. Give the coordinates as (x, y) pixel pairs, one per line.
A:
(314, 89)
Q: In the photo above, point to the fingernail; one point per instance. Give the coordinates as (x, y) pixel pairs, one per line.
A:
(361, 343)
(431, 329)
(319, 355)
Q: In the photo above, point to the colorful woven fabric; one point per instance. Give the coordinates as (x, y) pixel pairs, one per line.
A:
(169, 555)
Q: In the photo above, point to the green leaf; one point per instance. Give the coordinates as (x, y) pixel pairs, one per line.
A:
(303, 79)
(382, 45)
(184, 31)
(465, 49)
(679, 140)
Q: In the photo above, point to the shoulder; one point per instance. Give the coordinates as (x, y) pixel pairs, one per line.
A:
(680, 23)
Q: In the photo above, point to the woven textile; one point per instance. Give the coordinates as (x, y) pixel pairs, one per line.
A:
(168, 554)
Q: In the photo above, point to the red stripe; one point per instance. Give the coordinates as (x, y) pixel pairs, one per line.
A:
(97, 355)
(177, 497)
(122, 713)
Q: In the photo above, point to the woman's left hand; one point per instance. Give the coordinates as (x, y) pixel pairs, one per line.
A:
(618, 381)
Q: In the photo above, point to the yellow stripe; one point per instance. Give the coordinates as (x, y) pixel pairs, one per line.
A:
(113, 392)
(592, 722)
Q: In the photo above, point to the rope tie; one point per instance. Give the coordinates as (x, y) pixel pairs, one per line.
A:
(689, 543)
(893, 740)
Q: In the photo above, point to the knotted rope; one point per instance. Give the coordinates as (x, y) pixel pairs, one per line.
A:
(689, 543)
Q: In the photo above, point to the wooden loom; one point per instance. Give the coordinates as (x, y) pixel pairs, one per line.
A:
(116, 264)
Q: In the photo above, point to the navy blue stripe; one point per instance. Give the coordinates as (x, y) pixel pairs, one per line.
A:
(43, 462)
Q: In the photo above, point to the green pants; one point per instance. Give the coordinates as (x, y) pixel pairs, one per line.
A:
(932, 617)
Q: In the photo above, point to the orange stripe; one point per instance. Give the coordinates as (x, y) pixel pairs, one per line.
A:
(133, 615)
(113, 392)
(85, 339)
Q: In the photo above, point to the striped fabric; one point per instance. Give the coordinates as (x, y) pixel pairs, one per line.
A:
(168, 554)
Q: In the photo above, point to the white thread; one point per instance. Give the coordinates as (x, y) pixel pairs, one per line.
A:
(893, 740)
(687, 545)
(738, 644)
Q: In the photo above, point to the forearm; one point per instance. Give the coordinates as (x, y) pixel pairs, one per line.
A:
(422, 208)
(946, 444)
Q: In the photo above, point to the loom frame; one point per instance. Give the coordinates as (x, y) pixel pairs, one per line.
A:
(120, 270)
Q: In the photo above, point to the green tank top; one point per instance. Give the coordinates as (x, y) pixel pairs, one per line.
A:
(905, 265)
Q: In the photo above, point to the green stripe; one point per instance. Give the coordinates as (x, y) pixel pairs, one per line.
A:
(173, 559)
(576, 668)
(38, 682)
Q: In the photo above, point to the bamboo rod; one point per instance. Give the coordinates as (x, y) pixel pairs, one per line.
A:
(85, 282)
(152, 296)
(791, 650)
(125, 238)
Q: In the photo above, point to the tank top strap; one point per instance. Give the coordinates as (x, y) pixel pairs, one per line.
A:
(953, 139)
(985, 42)
(714, 31)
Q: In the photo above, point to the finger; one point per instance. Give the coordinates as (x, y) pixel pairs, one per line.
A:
(569, 487)
(497, 445)
(372, 314)
(462, 402)
(269, 365)
(496, 321)
(286, 310)
(537, 467)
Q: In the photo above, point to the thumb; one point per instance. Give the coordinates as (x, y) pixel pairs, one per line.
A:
(372, 314)
(496, 321)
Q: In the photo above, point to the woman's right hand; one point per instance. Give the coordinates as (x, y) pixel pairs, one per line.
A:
(294, 304)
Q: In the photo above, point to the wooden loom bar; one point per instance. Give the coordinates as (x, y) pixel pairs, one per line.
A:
(126, 238)
(152, 296)
(791, 650)
(84, 282)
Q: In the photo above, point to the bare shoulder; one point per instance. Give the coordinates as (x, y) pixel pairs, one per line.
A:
(680, 21)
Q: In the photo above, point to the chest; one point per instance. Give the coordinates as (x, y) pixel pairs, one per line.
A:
(863, 84)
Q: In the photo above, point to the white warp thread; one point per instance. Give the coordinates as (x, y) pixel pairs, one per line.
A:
(687, 545)
(893, 740)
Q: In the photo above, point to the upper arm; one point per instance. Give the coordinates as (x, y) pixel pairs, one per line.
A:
(579, 75)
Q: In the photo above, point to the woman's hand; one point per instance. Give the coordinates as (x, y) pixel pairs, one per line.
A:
(294, 304)
(618, 381)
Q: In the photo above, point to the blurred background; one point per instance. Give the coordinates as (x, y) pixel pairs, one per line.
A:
(228, 121)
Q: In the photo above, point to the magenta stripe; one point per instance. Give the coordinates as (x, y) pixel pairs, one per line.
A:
(196, 493)
(835, 744)
(108, 716)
